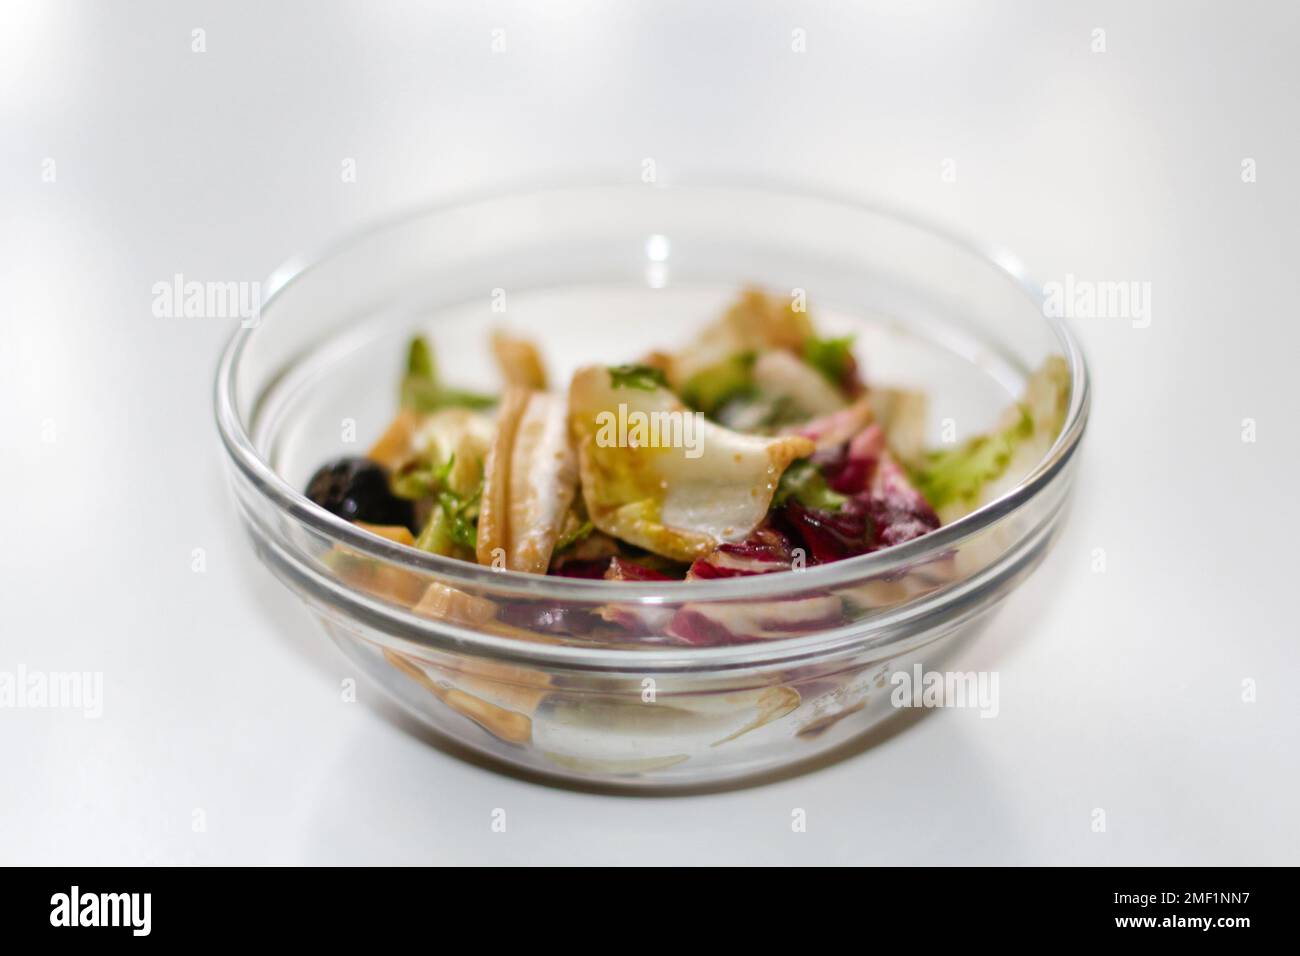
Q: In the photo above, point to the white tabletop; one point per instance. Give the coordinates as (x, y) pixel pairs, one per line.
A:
(223, 738)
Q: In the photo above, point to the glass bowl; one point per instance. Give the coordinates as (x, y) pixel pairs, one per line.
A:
(578, 679)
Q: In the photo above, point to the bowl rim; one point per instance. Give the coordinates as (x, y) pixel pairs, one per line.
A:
(293, 503)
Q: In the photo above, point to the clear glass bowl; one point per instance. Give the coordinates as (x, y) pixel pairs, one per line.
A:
(574, 678)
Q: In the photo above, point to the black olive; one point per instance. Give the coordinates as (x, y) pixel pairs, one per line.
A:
(357, 489)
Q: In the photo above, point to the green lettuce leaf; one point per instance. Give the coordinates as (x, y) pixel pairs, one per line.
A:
(804, 482)
(832, 357)
(712, 387)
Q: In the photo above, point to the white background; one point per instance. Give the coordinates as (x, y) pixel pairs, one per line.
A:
(1120, 690)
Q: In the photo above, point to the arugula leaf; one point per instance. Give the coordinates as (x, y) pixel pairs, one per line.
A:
(644, 377)
(423, 395)
(419, 360)
(804, 482)
(832, 357)
(422, 390)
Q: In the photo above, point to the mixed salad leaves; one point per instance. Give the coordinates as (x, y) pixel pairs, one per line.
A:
(757, 448)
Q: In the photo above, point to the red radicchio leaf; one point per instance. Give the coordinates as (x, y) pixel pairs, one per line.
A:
(899, 511)
(583, 569)
(883, 509)
(764, 551)
(698, 630)
(832, 535)
(707, 625)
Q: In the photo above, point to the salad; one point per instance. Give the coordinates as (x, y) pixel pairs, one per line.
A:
(757, 448)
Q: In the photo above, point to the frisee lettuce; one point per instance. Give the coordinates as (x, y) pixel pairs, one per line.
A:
(421, 479)
(958, 475)
(452, 525)
(956, 480)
